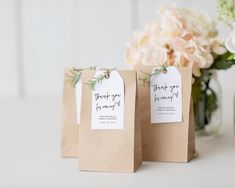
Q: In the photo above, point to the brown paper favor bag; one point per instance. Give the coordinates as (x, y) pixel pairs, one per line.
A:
(169, 142)
(69, 134)
(111, 150)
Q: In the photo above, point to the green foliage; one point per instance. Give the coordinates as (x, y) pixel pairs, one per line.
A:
(74, 76)
(226, 10)
(205, 100)
(223, 62)
(211, 103)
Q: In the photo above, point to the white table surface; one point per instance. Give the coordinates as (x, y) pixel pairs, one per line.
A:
(30, 155)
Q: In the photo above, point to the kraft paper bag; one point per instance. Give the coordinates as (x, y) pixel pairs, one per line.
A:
(70, 128)
(168, 142)
(110, 150)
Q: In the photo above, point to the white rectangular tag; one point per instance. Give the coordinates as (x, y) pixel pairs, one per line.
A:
(108, 102)
(166, 96)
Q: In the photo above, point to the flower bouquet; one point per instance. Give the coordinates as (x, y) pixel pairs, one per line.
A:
(185, 37)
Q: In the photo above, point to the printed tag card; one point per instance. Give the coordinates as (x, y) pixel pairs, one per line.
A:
(166, 96)
(108, 102)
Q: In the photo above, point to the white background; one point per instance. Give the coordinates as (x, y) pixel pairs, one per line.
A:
(38, 38)
(41, 37)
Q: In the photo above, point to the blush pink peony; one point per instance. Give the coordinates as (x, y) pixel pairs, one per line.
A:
(182, 37)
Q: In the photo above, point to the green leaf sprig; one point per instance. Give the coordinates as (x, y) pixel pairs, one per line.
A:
(75, 74)
(98, 79)
(158, 70)
(223, 62)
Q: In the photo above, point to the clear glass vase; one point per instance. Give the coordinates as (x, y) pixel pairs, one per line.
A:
(207, 104)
